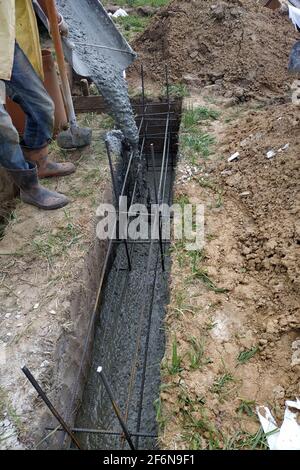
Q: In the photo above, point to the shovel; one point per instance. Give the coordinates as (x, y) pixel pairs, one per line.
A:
(294, 63)
(75, 137)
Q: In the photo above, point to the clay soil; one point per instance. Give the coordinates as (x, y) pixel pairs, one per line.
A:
(238, 45)
(234, 312)
(50, 265)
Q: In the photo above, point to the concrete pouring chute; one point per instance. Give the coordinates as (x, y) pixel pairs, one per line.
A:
(97, 50)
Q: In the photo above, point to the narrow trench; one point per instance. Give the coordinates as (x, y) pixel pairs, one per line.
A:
(129, 340)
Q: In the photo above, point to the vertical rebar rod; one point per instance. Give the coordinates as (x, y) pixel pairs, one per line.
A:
(144, 109)
(117, 198)
(48, 403)
(115, 407)
(143, 89)
(167, 85)
(162, 255)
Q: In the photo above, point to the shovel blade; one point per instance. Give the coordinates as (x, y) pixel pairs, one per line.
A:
(294, 63)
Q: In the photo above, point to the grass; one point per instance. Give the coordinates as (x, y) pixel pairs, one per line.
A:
(182, 200)
(132, 25)
(160, 419)
(176, 360)
(107, 122)
(220, 385)
(246, 407)
(137, 3)
(194, 116)
(6, 220)
(201, 274)
(245, 440)
(57, 242)
(196, 355)
(176, 90)
(246, 355)
(200, 143)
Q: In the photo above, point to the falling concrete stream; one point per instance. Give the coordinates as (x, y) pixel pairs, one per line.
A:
(96, 49)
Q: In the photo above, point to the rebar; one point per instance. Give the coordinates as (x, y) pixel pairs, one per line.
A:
(48, 403)
(145, 121)
(115, 407)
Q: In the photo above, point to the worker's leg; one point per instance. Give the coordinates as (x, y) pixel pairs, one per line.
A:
(11, 155)
(26, 88)
(24, 174)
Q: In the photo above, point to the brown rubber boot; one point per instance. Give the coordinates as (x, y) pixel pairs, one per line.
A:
(46, 168)
(33, 193)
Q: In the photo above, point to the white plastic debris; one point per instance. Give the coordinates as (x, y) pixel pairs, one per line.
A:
(285, 147)
(294, 14)
(120, 13)
(234, 156)
(271, 154)
(288, 436)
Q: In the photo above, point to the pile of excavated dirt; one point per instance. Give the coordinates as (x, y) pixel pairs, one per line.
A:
(269, 190)
(238, 46)
(238, 348)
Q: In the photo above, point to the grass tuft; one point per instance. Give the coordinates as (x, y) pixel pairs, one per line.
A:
(246, 355)
(175, 366)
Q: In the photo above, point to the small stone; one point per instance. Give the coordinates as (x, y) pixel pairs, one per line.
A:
(271, 154)
(278, 392)
(8, 315)
(233, 157)
(45, 364)
(36, 306)
(263, 342)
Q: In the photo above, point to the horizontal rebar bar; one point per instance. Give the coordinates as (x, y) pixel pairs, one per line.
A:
(104, 432)
(98, 46)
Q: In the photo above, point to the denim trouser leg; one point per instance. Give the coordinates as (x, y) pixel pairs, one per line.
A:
(27, 89)
(11, 155)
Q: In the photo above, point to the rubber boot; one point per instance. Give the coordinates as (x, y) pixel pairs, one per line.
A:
(46, 168)
(33, 193)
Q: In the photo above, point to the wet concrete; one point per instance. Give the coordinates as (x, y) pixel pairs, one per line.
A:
(133, 307)
(130, 326)
(88, 24)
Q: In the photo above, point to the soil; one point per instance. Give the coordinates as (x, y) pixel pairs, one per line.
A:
(251, 251)
(238, 46)
(50, 264)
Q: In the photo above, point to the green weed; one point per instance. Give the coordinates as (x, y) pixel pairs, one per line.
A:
(246, 355)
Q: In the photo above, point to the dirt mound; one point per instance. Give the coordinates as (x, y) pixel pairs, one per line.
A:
(239, 46)
(240, 348)
(269, 187)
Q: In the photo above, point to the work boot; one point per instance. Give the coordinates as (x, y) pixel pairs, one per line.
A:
(33, 193)
(46, 168)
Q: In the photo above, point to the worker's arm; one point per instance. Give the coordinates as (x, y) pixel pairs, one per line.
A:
(63, 27)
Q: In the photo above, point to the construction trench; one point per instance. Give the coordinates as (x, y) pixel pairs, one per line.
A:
(127, 329)
(121, 306)
(129, 335)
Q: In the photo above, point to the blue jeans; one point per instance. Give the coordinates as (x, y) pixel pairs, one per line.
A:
(27, 89)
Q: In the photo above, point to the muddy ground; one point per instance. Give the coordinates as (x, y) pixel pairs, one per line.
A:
(50, 265)
(233, 324)
(238, 45)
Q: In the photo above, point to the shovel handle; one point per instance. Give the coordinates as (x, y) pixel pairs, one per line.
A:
(52, 16)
